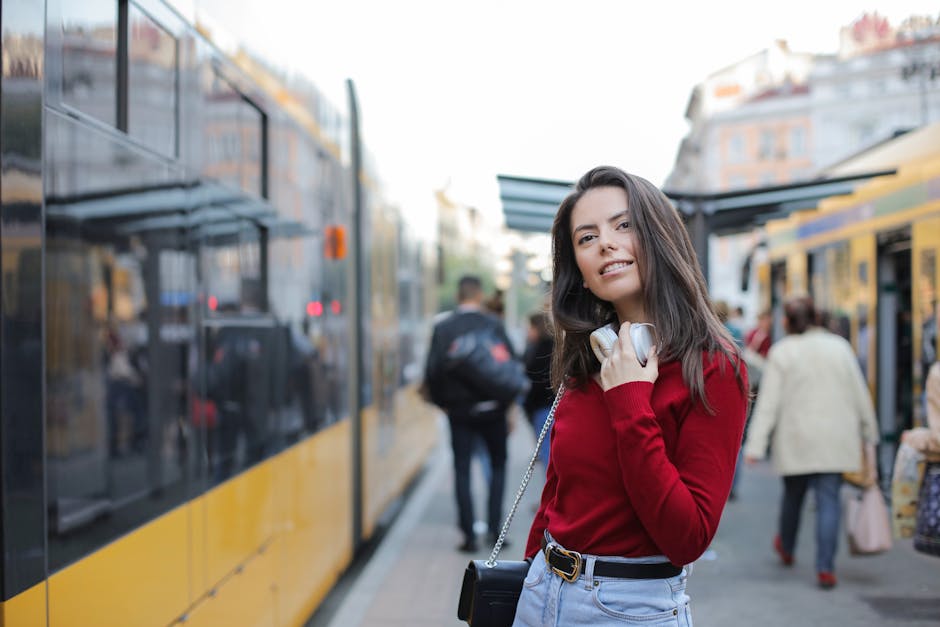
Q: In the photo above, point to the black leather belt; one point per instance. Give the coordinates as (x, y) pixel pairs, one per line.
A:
(568, 564)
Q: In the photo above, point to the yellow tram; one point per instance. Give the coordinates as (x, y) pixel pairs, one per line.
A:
(213, 325)
(871, 260)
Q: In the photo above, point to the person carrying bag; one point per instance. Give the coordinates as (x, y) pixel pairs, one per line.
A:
(926, 441)
(468, 346)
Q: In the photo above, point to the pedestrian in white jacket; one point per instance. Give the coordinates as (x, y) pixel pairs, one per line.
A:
(814, 410)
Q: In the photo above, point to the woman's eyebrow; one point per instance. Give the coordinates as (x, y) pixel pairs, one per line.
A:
(586, 227)
(583, 227)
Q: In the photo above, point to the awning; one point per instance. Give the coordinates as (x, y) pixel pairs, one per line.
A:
(529, 204)
(203, 209)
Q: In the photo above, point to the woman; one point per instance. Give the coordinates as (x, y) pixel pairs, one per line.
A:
(641, 456)
(814, 410)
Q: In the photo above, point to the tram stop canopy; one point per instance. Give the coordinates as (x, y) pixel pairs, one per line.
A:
(529, 204)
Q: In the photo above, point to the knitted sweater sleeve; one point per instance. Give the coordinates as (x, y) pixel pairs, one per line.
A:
(680, 500)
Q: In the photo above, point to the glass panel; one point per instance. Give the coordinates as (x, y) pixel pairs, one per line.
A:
(223, 141)
(231, 261)
(308, 292)
(247, 378)
(152, 86)
(297, 299)
(22, 508)
(89, 57)
(246, 382)
(234, 136)
(119, 348)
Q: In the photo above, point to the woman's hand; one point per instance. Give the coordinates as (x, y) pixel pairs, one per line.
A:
(622, 365)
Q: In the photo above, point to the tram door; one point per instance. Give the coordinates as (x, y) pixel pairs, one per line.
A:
(894, 343)
(926, 305)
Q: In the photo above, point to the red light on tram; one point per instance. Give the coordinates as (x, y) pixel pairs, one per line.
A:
(213, 303)
(336, 307)
(315, 308)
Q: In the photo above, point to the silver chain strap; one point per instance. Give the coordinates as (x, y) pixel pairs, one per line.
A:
(491, 562)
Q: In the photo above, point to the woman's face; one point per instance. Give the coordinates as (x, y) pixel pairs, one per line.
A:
(605, 250)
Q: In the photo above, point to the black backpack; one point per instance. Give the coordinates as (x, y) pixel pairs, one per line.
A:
(481, 359)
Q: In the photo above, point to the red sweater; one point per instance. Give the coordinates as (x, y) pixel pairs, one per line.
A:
(640, 469)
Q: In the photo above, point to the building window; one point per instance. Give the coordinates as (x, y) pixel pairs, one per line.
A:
(766, 149)
(736, 148)
(797, 141)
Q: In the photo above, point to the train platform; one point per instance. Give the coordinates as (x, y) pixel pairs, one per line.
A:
(413, 574)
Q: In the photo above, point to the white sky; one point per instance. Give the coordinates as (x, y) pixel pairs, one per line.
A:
(458, 92)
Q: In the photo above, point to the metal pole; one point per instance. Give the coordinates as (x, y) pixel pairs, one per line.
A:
(356, 334)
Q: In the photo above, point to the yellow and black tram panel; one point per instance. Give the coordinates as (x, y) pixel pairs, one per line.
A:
(208, 382)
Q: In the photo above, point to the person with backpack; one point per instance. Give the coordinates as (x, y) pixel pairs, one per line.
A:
(473, 375)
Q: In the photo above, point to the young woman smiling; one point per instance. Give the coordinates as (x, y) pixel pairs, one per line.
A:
(642, 457)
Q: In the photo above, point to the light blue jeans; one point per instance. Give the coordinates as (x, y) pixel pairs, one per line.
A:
(547, 600)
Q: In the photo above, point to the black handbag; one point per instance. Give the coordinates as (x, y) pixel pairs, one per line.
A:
(489, 594)
(491, 588)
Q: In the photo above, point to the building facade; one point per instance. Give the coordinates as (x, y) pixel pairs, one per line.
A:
(779, 117)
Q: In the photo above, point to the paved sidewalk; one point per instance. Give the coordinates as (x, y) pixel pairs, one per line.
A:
(413, 577)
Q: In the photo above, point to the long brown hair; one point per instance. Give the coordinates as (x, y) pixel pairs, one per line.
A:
(674, 289)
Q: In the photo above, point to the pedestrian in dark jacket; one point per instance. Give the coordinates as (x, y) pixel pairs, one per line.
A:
(471, 409)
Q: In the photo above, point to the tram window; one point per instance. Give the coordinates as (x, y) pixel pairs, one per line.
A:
(119, 343)
(152, 93)
(89, 56)
(234, 129)
(231, 267)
